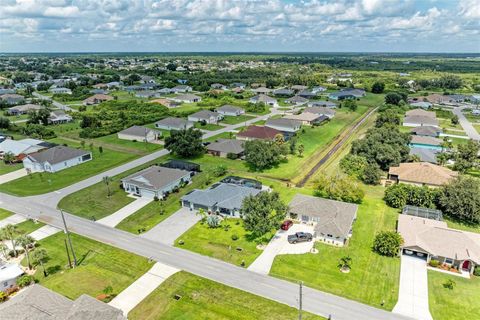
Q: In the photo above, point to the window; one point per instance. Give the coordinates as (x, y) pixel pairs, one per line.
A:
(448, 261)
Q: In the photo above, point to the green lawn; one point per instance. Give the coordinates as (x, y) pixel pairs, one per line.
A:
(235, 120)
(100, 265)
(28, 226)
(223, 135)
(208, 126)
(143, 147)
(461, 225)
(373, 278)
(5, 214)
(218, 242)
(38, 183)
(6, 168)
(463, 301)
(205, 299)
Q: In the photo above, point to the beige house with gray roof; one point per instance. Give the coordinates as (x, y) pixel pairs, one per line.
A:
(332, 220)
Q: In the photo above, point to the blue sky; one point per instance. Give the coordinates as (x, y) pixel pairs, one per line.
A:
(234, 25)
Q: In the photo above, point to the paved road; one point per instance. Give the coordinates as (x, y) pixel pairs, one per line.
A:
(466, 125)
(263, 285)
(56, 104)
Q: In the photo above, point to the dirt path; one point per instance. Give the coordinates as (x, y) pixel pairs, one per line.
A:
(337, 145)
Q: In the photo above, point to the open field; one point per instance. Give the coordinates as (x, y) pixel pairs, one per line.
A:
(205, 299)
(99, 266)
(369, 270)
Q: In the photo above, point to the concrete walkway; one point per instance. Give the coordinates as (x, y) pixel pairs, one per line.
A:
(44, 232)
(13, 219)
(279, 245)
(140, 289)
(4, 178)
(116, 217)
(465, 123)
(173, 227)
(413, 294)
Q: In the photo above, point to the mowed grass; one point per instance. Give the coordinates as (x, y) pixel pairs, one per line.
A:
(236, 119)
(140, 146)
(27, 227)
(6, 168)
(5, 214)
(372, 279)
(99, 266)
(208, 126)
(462, 301)
(218, 242)
(39, 183)
(205, 299)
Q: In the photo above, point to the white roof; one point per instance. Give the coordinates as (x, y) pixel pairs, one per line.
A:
(19, 147)
(9, 271)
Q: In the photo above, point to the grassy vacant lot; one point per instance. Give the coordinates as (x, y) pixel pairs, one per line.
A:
(28, 226)
(449, 304)
(218, 242)
(38, 183)
(235, 120)
(373, 278)
(205, 299)
(208, 126)
(6, 168)
(223, 135)
(99, 266)
(4, 214)
(139, 146)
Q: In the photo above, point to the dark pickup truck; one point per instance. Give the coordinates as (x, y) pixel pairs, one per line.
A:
(300, 237)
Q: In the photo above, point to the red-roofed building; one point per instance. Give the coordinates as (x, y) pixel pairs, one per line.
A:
(258, 132)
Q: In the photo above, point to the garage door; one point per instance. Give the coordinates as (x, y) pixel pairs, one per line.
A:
(413, 253)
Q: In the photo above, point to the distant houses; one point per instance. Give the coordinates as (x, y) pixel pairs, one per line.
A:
(60, 90)
(349, 93)
(139, 133)
(55, 159)
(421, 174)
(96, 99)
(307, 118)
(262, 98)
(205, 116)
(229, 110)
(172, 123)
(181, 89)
(186, 98)
(258, 132)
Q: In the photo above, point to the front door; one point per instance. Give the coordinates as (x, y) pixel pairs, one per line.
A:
(466, 265)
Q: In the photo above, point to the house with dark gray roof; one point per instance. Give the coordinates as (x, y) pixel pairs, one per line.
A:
(55, 159)
(419, 121)
(172, 123)
(226, 147)
(229, 110)
(348, 93)
(262, 98)
(23, 109)
(425, 154)
(222, 198)
(322, 103)
(429, 131)
(139, 133)
(307, 94)
(283, 92)
(284, 125)
(206, 116)
(332, 220)
(39, 303)
(296, 100)
(155, 181)
(12, 98)
(328, 112)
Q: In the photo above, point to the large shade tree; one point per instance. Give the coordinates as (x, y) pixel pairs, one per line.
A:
(185, 143)
(263, 213)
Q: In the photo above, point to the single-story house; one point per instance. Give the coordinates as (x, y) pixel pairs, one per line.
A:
(23, 109)
(476, 112)
(332, 220)
(60, 90)
(318, 89)
(172, 123)
(262, 98)
(165, 91)
(147, 94)
(420, 112)
(218, 86)
(98, 91)
(425, 154)
(261, 90)
(205, 116)
(322, 103)
(55, 159)
(296, 100)
(421, 104)
(283, 92)
(307, 94)
(222, 198)
(181, 89)
(418, 121)
(258, 132)
(20, 148)
(284, 125)
(307, 118)
(96, 99)
(299, 87)
(186, 98)
(428, 131)
(155, 181)
(240, 85)
(40, 303)
(166, 103)
(9, 272)
(59, 116)
(347, 94)
(12, 98)
(7, 91)
(425, 142)
(225, 147)
(113, 84)
(321, 111)
(139, 133)
(421, 174)
(229, 110)
(434, 240)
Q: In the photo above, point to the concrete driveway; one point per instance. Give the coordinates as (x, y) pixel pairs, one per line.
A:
(279, 245)
(116, 217)
(413, 294)
(170, 229)
(13, 219)
(4, 178)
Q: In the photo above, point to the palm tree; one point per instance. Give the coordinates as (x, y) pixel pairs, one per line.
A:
(345, 263)
(107, 181)
(4, 250)
(9, 232)
(26, 242)
(40, 256)
(9, 158)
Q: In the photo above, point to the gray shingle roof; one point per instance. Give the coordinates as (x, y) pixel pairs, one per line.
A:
(229, 108)
(155, 177)
(227, 146)
(425, 154)
(334, 217)
(138, 131)
(421, 120)
(57, 154)
(284, 123)
(173, 122)
(320, 110)
(426, 131)
(204, 114)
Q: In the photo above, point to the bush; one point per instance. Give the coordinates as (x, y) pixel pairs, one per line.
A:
(476, 271)
(234, 237)
(213, 221)
(25, 280)
(449, 284)
(387, 243)
(434, 263)
(220, 170)
(340, 188)
(232, 156)
(399, 195)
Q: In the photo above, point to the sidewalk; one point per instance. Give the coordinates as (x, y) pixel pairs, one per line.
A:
(44, 232)
(14, 219)
(116, 217)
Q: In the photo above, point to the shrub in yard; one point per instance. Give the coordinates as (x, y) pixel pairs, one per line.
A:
(231, 156)
(155, 198)
(476, 271)
(387, 243)
(234, 237)
(3, 296)
(434, 263)
(449, 284)
(24, 281)
(213, 221)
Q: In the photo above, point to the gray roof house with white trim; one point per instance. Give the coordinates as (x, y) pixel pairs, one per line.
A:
(224, 147)
(332, 220)
(330, 113)
(222, 198)
(172, 123)
(187, 98)
(322, 103)
(155, 181)
(206, 116)
(262, 98)
(139, 133)
(284, 125)
(229, 110)
(24, 108)
(55, 159)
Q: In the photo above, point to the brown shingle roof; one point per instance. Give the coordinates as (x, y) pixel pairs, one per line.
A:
(259, 132)
(423, 173)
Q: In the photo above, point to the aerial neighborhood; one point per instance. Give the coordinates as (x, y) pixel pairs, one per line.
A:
(135, 185)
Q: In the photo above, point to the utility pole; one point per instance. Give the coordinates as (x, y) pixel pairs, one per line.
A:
(68, 253)
(300, 301)
(69, 240)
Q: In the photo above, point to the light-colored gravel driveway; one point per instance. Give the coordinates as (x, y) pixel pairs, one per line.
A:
(279, 245)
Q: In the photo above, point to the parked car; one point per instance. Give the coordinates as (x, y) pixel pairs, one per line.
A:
(300, 237)
(286, 225)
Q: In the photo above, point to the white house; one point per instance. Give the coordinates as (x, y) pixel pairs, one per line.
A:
(9, 272)
(181, 88)
(139, 133)
(228, 110)
(155, 181)
(60, 91)
(55, 159)
(59, 116)
(172, 123)
(186, 98)
(205, 116)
